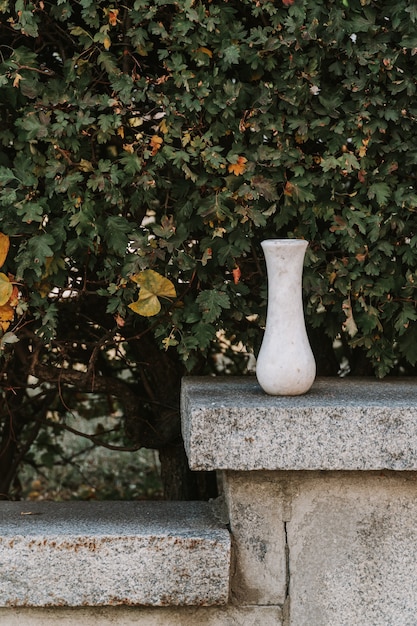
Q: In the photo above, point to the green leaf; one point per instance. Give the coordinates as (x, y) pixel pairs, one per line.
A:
(32, 211)
(407, 344)
(204, 333)
(8, 338)
(34, 256)
(6, 175)
(28, 20)
(211, 303)
(407, 314)
(131, 163)
(116, 233)
(381, 192)
(231, 54)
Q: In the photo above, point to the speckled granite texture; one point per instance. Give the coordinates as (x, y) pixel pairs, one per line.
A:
(352, 544)
(126, 616)
(111, 553)
(340, 424)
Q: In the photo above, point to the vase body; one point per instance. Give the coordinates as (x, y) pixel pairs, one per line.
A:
(285, 365)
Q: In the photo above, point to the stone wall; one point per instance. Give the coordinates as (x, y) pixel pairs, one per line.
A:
(321, 492)
(316, 524)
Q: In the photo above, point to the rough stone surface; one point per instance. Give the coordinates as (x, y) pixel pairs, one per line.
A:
(110, 553)
(353, 549)
(257, 510)
(341, 424)
(121, 616)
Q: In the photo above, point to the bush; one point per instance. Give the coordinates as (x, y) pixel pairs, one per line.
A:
(148, 147)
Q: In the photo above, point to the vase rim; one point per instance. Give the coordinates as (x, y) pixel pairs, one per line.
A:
(286, 242)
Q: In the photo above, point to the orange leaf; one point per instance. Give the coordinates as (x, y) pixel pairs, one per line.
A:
(236, 275)
(119, 320)
(349, 325)
(361, 256)
(238, 167)
(205, 51)
(340, 224)
(288, 189)
(156, 143)
(4, 247)
(17, 79)
(14, 298)
(6, 316)
(113, 13)
(362, 176)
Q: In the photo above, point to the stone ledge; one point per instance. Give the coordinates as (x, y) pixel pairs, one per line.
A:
(138, 616)
(112, 553)
(341, 424)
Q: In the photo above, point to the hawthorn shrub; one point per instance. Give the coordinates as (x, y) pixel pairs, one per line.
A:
(147, 148)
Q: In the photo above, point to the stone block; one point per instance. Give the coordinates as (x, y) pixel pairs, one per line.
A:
(341, 424)
(257, 510)
(111, 553)
(353, 549)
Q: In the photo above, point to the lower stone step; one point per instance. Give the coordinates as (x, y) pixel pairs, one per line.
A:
(112, 553)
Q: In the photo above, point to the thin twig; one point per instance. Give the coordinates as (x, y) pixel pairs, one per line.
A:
(93, 438)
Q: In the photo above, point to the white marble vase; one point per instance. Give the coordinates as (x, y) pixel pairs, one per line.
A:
(285, 364)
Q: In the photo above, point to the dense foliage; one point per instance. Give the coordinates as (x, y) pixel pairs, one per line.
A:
(148, 147)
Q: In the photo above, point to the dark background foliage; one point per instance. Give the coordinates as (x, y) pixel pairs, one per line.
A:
(174, 137)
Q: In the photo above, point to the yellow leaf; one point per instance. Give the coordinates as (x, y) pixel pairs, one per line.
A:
(186, 138)
(147, 304)
(238, 167)
(142, 51)
(152, 286)
(4, 247)
(135, 121)
(155, 283)
(169, 341)
(219, 232)
(85, 166)
(6, 289)
(107, 42)
(6, 316)
(163, 127)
